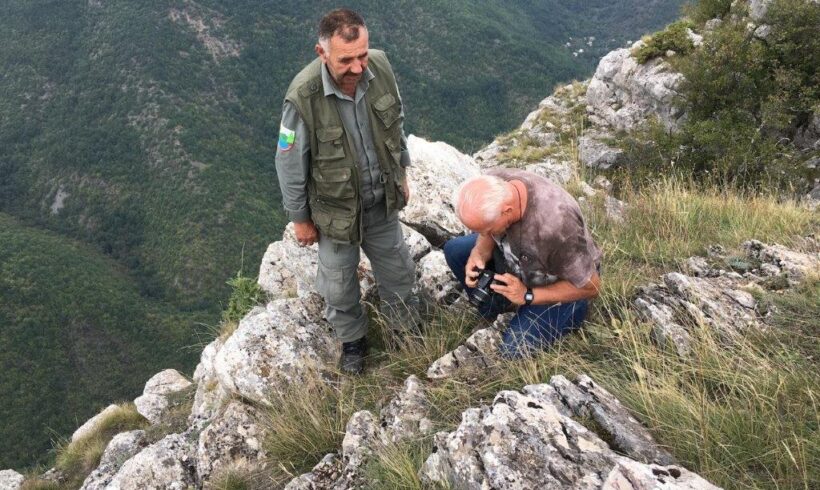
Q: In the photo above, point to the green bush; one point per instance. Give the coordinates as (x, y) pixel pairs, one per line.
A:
(674, 38)
(245, 294)
(703, 10)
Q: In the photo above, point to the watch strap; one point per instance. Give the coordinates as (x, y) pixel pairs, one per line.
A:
(528, 297)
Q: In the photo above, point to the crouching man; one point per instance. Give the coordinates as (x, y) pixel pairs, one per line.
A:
(546, 260)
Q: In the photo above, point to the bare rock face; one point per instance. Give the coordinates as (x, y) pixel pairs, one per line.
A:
(435, 279)
(406, 415)
(11, 480)
(719, 297)
(169, 463)
(596, 153)
(436, 171)
(480, 350)
(584, 398)
(524, 441)
(234, 438)
(122, 447)
(91, 425)
(795, 265)
(210, 395)
(154, 403)
(623, 94)
(323, 476)
(272, 348)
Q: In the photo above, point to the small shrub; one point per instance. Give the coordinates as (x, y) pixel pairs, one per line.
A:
(245, 294)
(703, 10)
(674, 38)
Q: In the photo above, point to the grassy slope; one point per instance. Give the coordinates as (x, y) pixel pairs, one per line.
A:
(74, 334)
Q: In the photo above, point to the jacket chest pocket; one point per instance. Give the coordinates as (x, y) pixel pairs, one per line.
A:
(387, 110)
(334, 183)
(330, 145)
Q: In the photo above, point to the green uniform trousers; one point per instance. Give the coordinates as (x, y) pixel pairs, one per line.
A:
(337, 279)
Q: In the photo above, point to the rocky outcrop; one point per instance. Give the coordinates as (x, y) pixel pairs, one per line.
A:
(718, 294)
(121, 448)
(233, 439)
(435, 172)
(92, 425)
(272, 348)
(169, 463)
(479, 351)
(11, 480)
(523, 440)
(404, 417)
(154, 403)
(624, 94)
(210, 394)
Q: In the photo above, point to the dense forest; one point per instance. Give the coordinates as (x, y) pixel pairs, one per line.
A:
(136, 162)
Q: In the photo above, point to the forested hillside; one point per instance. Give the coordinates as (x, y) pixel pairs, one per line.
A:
(141, 133)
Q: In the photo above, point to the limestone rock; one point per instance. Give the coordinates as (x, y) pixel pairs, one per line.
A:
(758, 9)
(324, 475)
(587, 399)
(122, 447)
(625, 94)
(793, 263)
(234, 438)
(595, 153)
(210, 395)
(615, 209)
(406, 415)
(479, 351)
(436, 171)
(416, 243)
(154, 403)
(435, 280)
(92, 424)
(11, 480)
(273, 348)
(169, 463)
(524, 441)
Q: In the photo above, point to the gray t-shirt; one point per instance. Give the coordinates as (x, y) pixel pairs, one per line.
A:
(551, 241)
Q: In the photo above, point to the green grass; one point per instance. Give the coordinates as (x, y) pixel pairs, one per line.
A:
(673, 38)
(77, 459)
(743, 415)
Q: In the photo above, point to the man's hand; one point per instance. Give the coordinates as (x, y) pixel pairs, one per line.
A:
(474, 262)
(511, 288)
(306, 233)
(405, 188)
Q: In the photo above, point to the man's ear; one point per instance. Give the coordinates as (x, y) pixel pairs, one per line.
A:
(320, 51)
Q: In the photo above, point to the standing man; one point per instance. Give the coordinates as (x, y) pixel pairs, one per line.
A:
(341, 162)
(536, 229)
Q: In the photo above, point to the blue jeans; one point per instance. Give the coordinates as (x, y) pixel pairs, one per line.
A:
(533, 327)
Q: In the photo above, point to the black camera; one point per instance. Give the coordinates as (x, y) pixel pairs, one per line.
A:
(482, 294)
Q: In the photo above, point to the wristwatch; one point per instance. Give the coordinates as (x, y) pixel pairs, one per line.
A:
(528, 297)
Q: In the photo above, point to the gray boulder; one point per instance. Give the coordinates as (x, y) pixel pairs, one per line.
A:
(210, 395)
(233, 439)
(153, 404)
(121, 448)
(624, 94)
(274, 348)
(405, 417)
(524, 441)
(168, 464)
(93, 424)
(435, 280)
(436, 171)
(11, 480)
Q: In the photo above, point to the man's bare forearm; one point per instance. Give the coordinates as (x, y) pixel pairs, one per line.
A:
(565, 292)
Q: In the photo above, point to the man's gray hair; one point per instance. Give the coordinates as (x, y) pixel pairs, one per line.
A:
(485, 194)
(343, 22)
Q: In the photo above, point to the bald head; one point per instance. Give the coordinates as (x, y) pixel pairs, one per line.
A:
(481, 200)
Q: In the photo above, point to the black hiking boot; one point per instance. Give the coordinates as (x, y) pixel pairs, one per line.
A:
(353, 353)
